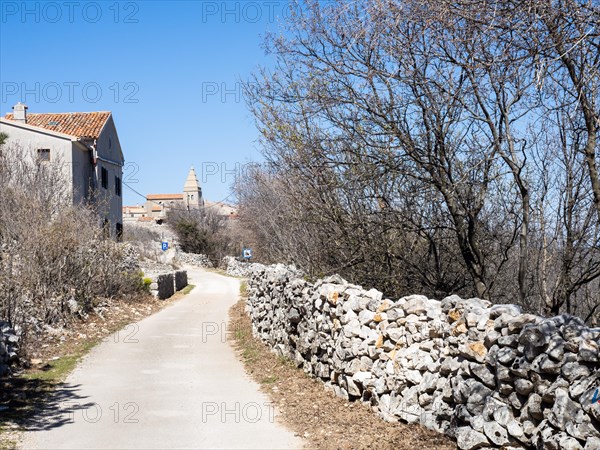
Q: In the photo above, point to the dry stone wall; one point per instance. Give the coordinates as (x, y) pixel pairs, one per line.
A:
(238, 267)
(165, 284)
(181, 279)
(194, 259)
(234, 267)
(9, 348)
(488, 375)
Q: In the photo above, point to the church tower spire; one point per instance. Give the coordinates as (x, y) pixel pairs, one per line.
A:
(192, 192)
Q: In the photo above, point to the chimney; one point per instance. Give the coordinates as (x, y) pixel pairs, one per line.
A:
(20, 112)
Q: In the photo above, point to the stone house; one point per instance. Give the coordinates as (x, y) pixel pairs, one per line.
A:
(156, 206)
(86, 144)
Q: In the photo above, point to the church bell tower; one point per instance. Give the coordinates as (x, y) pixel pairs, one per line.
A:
(192, 192)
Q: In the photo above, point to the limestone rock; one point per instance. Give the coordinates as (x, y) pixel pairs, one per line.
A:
(415, 304)
(468, 439)
(495, 433)
(592, 443)
(484, 373)
(564, 409)
(413, 376)
(573, 371)
(474, 351)
(510, 310)
(477, 397)
(523, 387)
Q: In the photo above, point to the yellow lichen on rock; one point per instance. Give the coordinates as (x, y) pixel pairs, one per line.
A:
(478, 348)
(459, 328)
(333, 297)
(454, 315)
(385, 305)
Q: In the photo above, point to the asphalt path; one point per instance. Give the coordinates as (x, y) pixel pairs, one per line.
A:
(171, 381)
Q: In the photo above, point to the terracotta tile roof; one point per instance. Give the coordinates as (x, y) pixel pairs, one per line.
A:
(164, 196)
(81, 124)
(156, 209)
(134, 209)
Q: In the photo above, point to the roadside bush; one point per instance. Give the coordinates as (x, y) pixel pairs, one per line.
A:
(147, 282)
(55, 260)
(202, 231)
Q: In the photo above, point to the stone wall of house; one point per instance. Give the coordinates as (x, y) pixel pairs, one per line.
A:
(9, 348)
(488, 375)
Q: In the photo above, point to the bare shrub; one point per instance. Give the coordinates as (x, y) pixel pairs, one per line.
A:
(202, 231)
(55, 260)
(140, 235)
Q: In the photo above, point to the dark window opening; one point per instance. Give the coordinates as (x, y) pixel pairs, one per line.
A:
(43, 154)
(119, 228)
(104, 178)
(118, 186)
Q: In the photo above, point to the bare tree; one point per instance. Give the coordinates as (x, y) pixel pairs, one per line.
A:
(411, 132)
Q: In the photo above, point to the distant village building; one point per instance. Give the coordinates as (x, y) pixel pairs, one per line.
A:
(86, 144)
(156, 206)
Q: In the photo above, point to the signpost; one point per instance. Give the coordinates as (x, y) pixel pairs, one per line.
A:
(247, 253)
(165, 246)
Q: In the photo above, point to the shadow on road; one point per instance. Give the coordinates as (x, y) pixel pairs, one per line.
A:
(33, 404)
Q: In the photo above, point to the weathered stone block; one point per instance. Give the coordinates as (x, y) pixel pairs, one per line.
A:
(181, 279)
(166, 286)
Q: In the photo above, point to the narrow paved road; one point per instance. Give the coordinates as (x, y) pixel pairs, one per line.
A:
(171, 381)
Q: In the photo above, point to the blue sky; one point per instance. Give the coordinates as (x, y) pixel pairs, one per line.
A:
(168, 71)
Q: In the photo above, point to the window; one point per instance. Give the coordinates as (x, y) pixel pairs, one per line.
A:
(119, 229)
(43, 154)
(118, 186)
(104, 178)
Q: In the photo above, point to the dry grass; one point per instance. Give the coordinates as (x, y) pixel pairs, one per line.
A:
(324, 420)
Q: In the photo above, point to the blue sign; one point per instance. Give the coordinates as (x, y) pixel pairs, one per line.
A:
(165, 246)
(247, 253)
